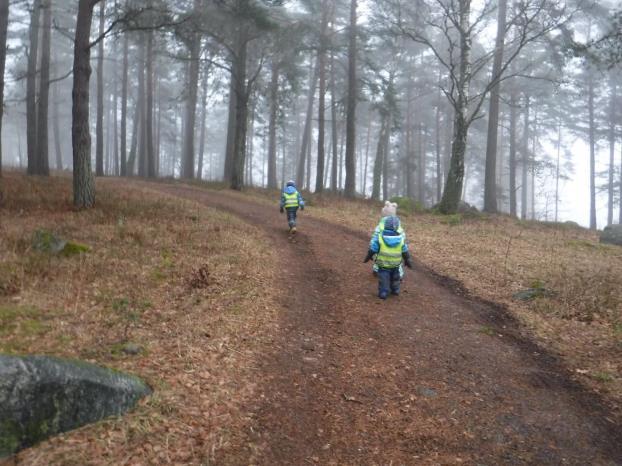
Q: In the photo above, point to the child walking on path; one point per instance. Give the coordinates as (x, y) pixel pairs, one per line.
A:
(389, 210)
(291, 200)
(391, 250)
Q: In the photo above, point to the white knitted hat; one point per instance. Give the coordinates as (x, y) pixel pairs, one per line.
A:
(389, 209)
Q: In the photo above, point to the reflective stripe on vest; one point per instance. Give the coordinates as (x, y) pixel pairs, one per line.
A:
(291, 200)
(389, 257)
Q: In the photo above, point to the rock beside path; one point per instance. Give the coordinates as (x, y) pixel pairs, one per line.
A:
(42, 396)
(612, 235)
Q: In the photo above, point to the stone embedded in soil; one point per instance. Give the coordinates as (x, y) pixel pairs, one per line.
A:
(131, 349)
(427, 392)
(42, 396)
(531, 293)
(308, 346)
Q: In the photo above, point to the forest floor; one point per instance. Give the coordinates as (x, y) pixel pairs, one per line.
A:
(282, 354)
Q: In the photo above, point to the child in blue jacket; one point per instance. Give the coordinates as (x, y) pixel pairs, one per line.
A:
(291, 201)
(391, 250)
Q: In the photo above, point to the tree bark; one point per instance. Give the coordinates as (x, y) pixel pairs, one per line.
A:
(191, 103)
(319, 179)
(230, 130)
(142, 99)
(421, 173)
(557, 168)
(612, 149)
(274, 107)
(4, 22)
(592, 136)
(56, 129)
(99, 142)
(43, 164)
(83, 183)
(525, 160)
(379, 161)
(203, 123)
(241, 111)
(152, 168)
(31, 89)
(512, 161)
(334, 133)
(306, 134)
(455, 178)
(490, 177)
(124, 86)
(350, 186)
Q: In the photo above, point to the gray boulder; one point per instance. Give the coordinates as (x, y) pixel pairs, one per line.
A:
(612, 235)
(42, 396)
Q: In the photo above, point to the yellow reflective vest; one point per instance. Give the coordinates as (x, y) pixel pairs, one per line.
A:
(389, 257)
(291, 200)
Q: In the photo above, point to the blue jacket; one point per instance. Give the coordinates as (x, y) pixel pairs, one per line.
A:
(391, 238)
(380, 228)
(291, 190)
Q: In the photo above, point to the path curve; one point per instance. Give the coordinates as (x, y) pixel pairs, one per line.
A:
(430, 377)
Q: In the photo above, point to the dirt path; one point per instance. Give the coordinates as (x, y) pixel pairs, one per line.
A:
(429, 377)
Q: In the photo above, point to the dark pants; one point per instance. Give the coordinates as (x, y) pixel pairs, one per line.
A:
(291, 216)
(388, 281)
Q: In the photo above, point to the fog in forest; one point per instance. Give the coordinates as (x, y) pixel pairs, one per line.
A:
(513, 107)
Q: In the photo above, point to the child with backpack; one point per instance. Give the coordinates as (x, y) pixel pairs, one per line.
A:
(391, 251)
(291, 201)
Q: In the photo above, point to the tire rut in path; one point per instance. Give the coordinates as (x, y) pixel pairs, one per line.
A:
(416, 380)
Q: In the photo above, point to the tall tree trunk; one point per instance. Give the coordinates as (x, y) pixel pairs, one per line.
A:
(191, 103)
(385, 160)
(620, 189)
(409, 146)
(142, 98)
(334, 133)
(115, 122)
(512, 161)
(83, 183)
(379, 161)
(422, 164)
(367, 144)
(557, 167)
(455, 178)
(231, 119)
(592, 136)
(350, 186)
(437, 133)
(490, 177)
(319, 179)
(274, 107)
(31, 89)
(612, 148)
(4, 22)
(306, 134)
(56, 128)
(525, 161)
(152, 168)
(241, 111)
(99, 142)
(204, 83)
(43, 163)
(124, 85)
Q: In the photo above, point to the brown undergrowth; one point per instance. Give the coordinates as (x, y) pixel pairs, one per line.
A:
(578, 315)
(189, 287)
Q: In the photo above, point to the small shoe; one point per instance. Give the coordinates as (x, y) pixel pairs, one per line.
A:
(293, 230)
(382, 295)
(395, 293)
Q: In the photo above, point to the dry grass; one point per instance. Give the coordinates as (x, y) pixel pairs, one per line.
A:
(496, 257)
(189, 285)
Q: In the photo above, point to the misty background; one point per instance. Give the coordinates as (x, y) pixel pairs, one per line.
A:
(163, 96)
